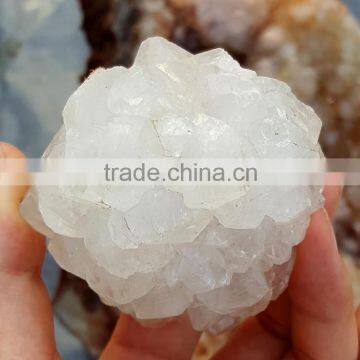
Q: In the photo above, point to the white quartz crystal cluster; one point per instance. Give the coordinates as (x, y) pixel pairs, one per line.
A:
(218, 254)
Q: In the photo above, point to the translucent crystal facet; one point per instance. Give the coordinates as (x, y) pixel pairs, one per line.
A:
(159, 251)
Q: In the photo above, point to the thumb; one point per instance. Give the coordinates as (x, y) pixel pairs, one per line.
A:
(26, 328)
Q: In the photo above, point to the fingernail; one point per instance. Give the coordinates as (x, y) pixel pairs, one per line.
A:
(333, 236)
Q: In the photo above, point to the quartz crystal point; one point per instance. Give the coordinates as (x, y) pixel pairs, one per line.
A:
(155, 252)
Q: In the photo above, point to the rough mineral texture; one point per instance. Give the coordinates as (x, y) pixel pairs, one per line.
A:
(116, 27)
(218, 254)
(312, 45)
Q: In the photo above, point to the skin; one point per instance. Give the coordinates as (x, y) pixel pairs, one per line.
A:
(314, 319)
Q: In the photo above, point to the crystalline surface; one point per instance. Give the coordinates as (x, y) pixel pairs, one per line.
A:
(218, 254)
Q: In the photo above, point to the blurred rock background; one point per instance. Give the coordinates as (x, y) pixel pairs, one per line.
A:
(48, 46)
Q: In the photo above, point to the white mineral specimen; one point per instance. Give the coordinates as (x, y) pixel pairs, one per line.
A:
(155, 252)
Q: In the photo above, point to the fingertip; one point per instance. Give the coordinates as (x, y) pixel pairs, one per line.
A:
(318, 250)
(13, 176)
(8, 151)
(319, 283)
(321, 233)
(322, 313)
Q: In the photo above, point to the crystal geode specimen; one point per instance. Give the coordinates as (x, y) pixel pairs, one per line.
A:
(156, 252)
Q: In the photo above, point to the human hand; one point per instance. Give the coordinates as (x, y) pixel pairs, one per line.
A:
(313, 319)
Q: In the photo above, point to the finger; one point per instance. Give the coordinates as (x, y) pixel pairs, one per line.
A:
(131, 341)
(254, 340)
(26, 328)
(266, 336)
(323, 323)
(332, 192)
